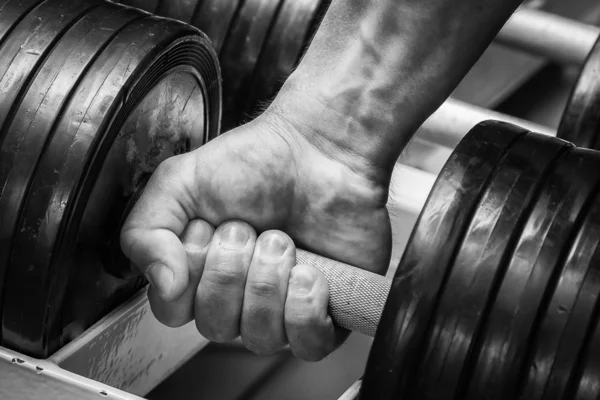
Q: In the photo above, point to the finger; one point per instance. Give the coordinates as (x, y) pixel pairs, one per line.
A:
(196, 239)
(220, 294)
(262, 327)
(150, 236)
(310, 330)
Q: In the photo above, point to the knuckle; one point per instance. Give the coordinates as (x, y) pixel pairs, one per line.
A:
(264, 288)
(302, 320)
(224, 276)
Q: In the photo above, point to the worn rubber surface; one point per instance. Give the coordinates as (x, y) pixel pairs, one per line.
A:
(29, 58)
(12, 12)
(240, 53)
(479, 265)
(423, 269)
(567, 278)
(62, 291)
(585, 382)
(580, 279)
(27, 44)
(533, 270)
(580, 123)
(214, 17)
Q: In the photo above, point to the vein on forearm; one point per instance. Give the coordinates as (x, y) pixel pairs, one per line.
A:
(384, 66)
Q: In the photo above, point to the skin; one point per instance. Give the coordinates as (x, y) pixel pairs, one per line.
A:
(216, 229)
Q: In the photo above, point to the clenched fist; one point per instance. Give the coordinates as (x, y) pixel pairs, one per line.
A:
(208, 232)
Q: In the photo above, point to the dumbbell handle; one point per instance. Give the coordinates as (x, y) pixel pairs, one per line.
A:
(356, 296)
(548, 35)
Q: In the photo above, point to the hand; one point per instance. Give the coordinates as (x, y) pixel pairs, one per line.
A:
(235, 280)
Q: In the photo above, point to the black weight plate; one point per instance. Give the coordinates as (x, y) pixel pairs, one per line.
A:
(423, 268)
(281, 51)
(12, 12)
(582, 270)
(580, 123)
(146, 5)
(57, 282)
(240, 55)
(27, 46)
(478, 266)
(34, 116)
(585, 383)
(182, 10)
(214, 17)
(532, 269)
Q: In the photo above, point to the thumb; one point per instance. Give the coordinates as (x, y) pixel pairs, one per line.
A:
(150, 235)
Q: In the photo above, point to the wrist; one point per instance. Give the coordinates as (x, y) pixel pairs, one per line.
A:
(306, 116)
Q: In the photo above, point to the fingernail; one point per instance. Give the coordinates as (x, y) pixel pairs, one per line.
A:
(198, 234)
(234, 236)
(301, 282)
(161, 278)
(273, 246)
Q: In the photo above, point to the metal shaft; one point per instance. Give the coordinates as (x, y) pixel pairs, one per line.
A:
(356, 296)
(550, 36)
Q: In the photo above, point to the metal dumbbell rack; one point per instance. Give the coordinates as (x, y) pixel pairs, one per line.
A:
(128, 349)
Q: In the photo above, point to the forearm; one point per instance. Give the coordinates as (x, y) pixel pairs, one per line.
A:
(377, 69)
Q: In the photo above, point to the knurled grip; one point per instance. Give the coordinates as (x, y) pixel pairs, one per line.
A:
(356, 296)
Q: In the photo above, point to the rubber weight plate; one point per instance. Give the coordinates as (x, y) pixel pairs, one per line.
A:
(240, 54)
(281, 51)
(533, 268)
(27, 45)
(12, 12)
(422, 271)
(566, 281)
(34, 116)
(214, 17)
(580, 123)
(582, 270)
(585, 383)
(152, 92)
(182, 10)
(479, 265)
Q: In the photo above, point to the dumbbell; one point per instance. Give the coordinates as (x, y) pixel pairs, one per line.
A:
(259, 43)
(94, 95)
(497, 293)
(85, 100)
